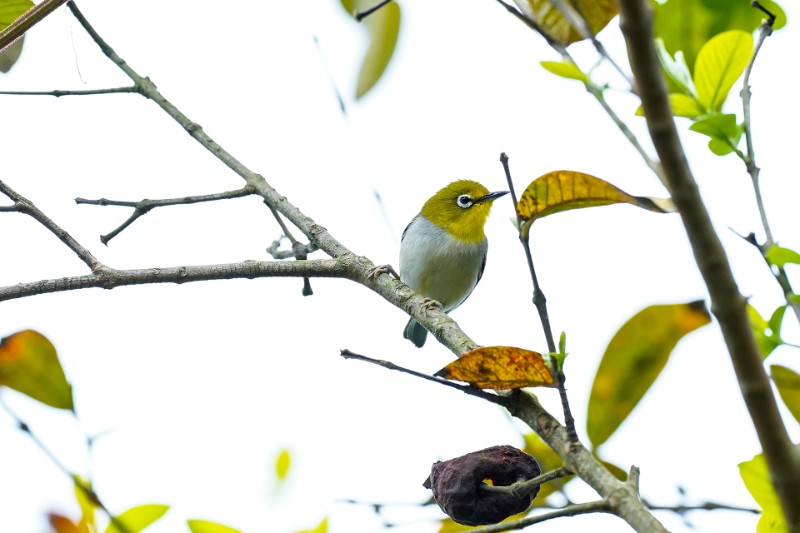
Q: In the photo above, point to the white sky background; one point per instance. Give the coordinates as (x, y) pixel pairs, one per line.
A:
(200, 385)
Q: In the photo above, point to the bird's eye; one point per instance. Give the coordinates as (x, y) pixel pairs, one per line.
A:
(464, 201)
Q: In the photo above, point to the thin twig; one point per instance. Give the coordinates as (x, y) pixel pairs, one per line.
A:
(299, 250)
(521, 488)
(28, 20)
(591, 87)
(85, 92)
(727, 304)
(708, 506)
(81, 485)
(575, 17)
(540, 302)
(142, 207)
(466, 389)
(749, 159)
(764, 31)
(25, 206)
(599, 506)
(364, 13)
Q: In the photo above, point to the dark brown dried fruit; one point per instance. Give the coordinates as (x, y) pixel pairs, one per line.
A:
(459, 489)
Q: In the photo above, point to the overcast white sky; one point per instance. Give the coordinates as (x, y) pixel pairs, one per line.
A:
(199, 386)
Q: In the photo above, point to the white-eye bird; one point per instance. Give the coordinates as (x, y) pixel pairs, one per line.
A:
(443, 249)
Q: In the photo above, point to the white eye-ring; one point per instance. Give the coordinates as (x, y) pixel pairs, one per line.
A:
(464, 201)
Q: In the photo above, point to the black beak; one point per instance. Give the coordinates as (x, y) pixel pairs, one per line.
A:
(491, 196)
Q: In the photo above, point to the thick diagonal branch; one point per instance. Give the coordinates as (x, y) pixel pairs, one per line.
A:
(727, 304)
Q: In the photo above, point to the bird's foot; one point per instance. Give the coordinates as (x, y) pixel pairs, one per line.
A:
(429, 304)
(376, 271)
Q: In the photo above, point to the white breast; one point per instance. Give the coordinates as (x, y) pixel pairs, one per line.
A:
(439, 266)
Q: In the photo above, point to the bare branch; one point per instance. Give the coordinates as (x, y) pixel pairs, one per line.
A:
(600, 506)
(727, 304)
(25, 206)
(85, 92)
(466, 389)
(110, 278)
(141, 207)
(540, 302)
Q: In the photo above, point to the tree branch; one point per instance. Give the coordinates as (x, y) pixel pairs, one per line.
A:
(84, 92)
(600, 506)
(110, 278)
(142, 207)
(25, 206)
(727, 304)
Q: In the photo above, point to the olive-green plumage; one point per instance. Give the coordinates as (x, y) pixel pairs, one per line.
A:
(443, 250)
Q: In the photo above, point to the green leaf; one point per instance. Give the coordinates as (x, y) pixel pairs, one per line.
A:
(776, 320)
(767, 337)
(787, 382)
(282, 464)
(779, 256)
(633, 360)
(321, 528)
(676, 69)
(725, 133)
(755, 475)
(137, 518)
(720, 62)
(687, 25)
(10, 54)
(685, 106)
(10, 10)
(384, 27)
(29, 364)
(565, 69)
(204, 526)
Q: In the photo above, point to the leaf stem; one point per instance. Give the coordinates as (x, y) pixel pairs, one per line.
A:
(540, 302)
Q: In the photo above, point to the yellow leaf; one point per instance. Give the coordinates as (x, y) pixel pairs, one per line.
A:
(322, 527)
(562, 190)
(137, 518)
(633, 360)
(205, 526)
(597, 13)
(500, 368)
(29, 364)
(755, 475)
(788, 383)
(719, 64)
(86, 502)
(684, 106)
(282, 464)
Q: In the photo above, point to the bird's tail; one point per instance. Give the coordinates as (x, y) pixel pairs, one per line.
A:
(415, 333)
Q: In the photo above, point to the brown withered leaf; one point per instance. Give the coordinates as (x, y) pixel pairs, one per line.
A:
(500, 368)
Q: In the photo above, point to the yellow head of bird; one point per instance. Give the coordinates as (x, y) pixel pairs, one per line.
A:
(461, 208)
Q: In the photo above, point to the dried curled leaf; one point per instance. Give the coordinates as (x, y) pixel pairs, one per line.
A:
(500, 368)
(563, 190)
